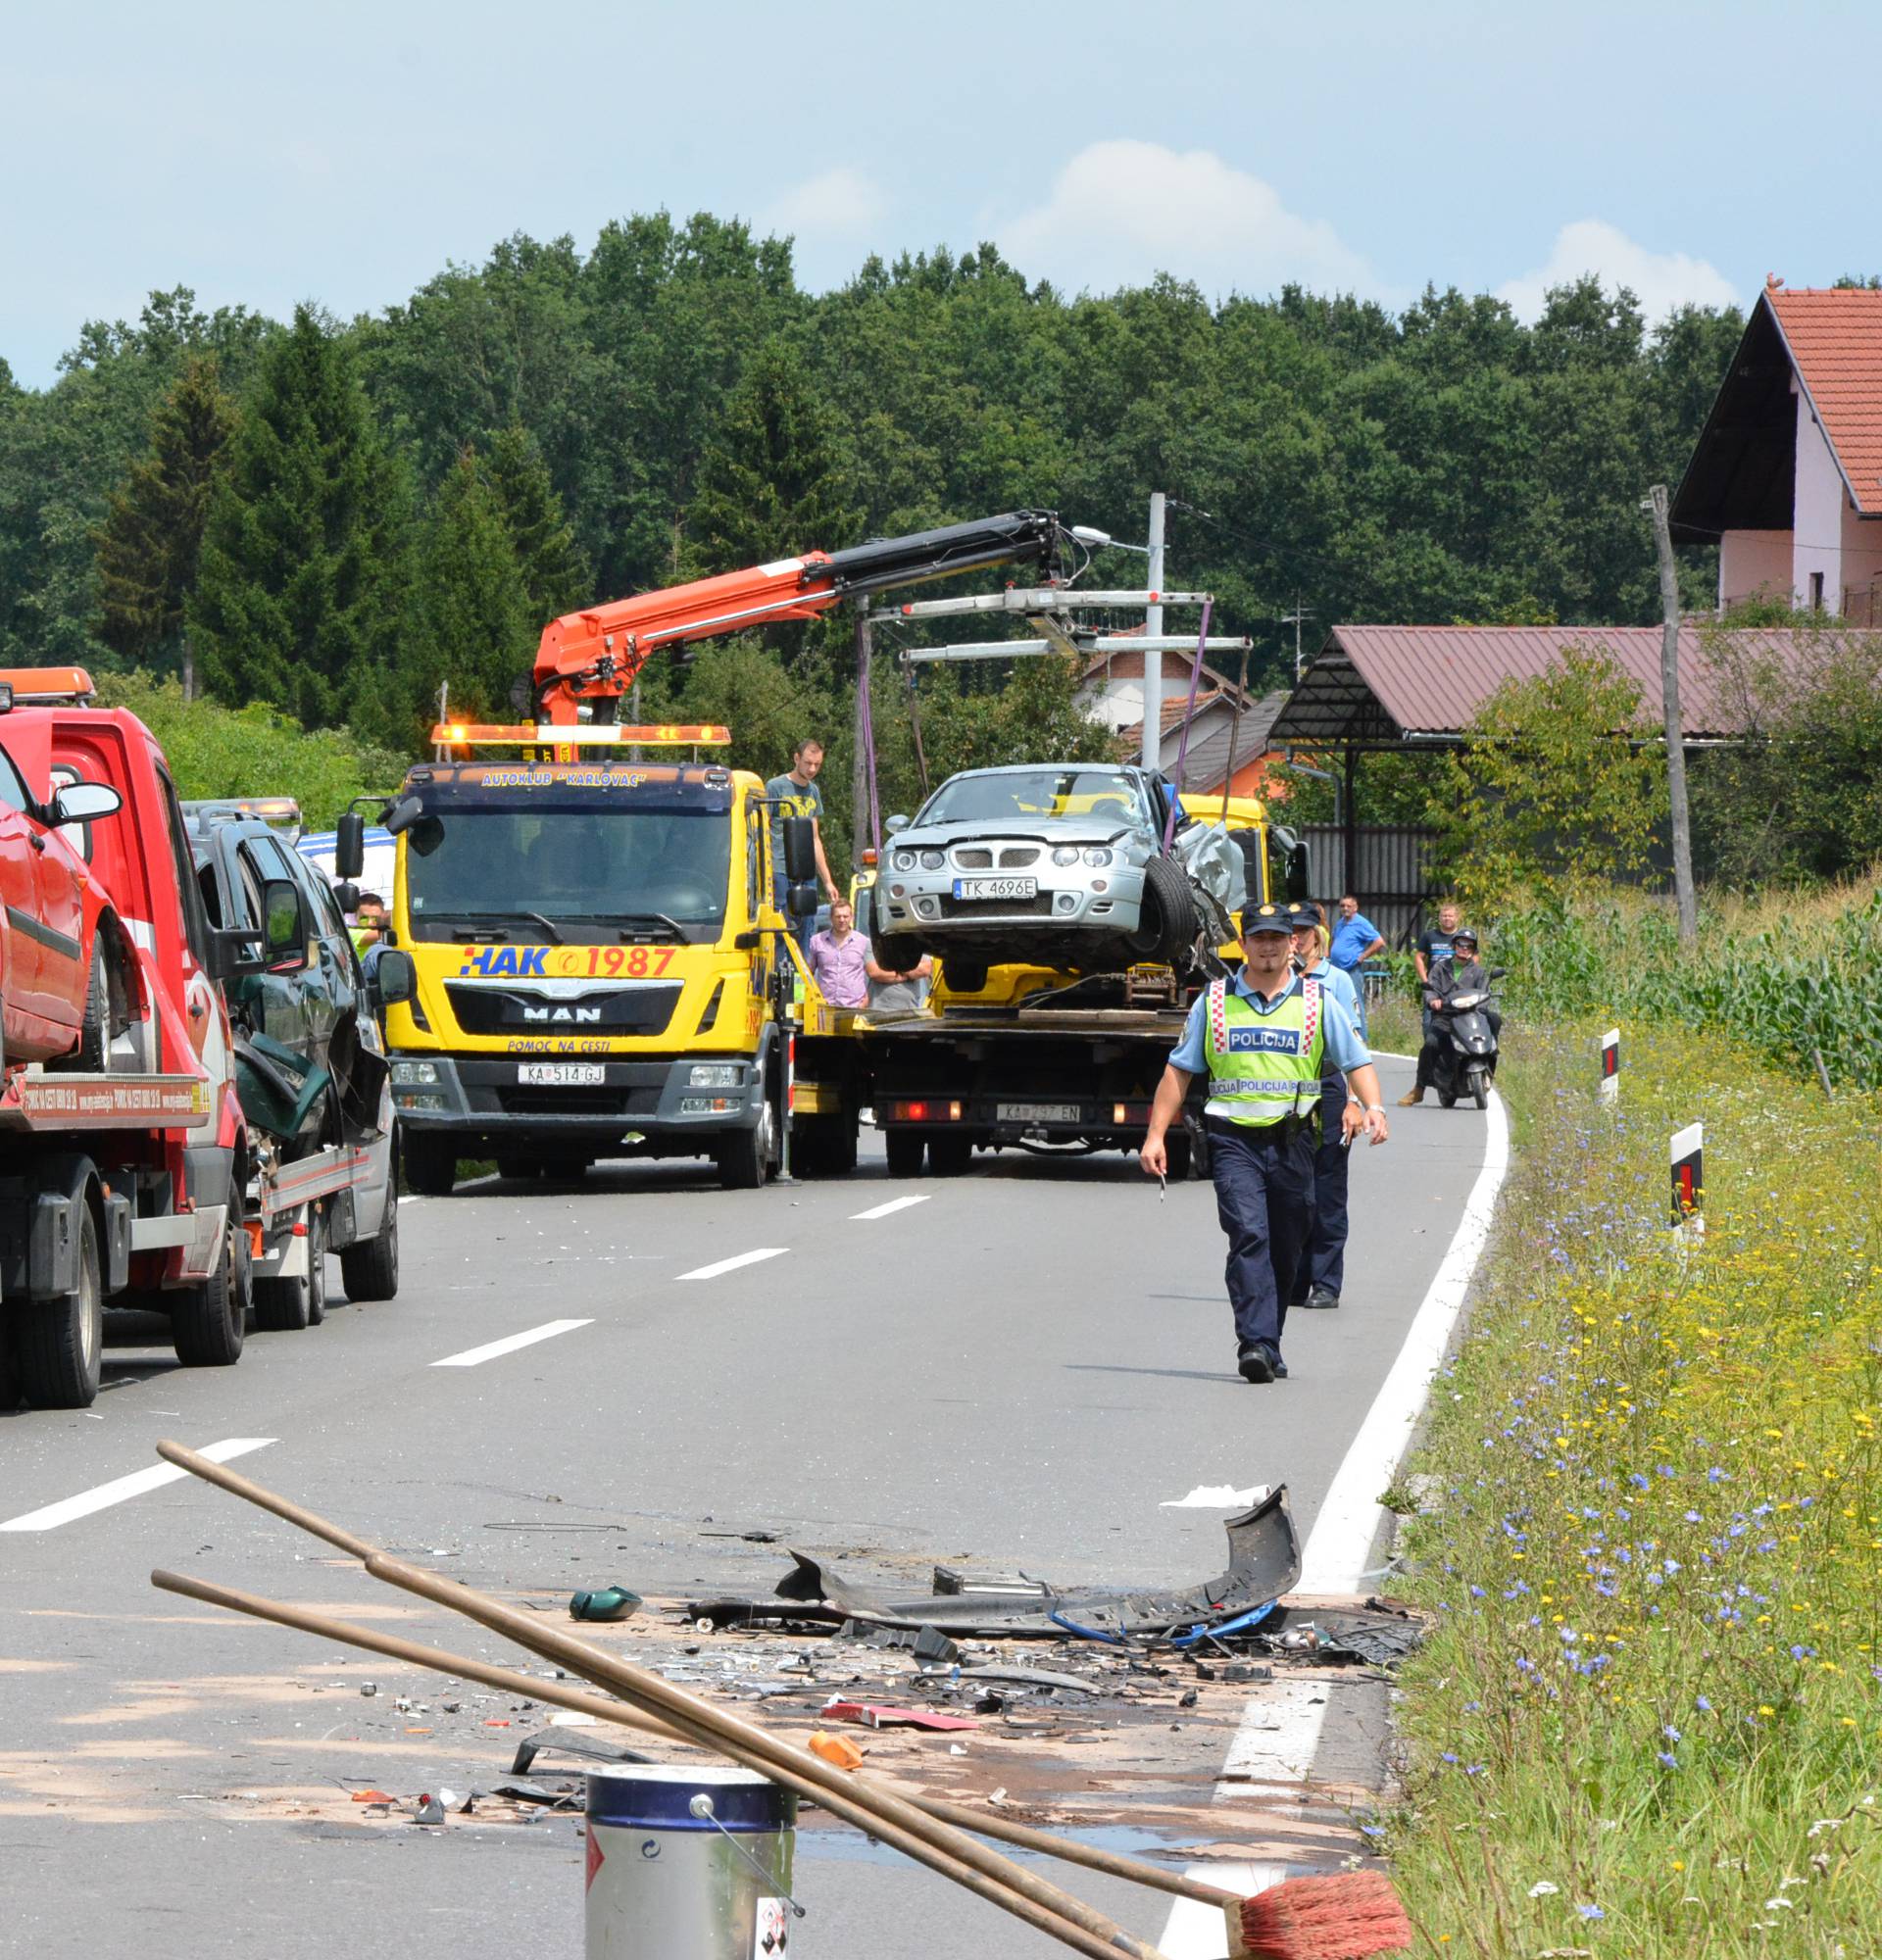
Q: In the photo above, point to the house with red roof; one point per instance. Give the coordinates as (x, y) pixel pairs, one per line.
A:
(1787, 475)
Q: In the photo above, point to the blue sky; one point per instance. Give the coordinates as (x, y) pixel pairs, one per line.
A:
(345, 153)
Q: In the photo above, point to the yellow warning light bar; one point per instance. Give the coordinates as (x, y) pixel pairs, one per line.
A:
(586, 734)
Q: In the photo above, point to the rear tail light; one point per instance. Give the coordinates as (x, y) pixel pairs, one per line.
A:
(926, 1112)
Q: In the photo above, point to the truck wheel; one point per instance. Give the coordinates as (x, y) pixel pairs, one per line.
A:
(1170, 910)
(949, 1154)
(208, 1323)
(744, 1158)
(906, 1148)
(281, 1305)
(370, 1270)
(430, 1164)
(60, 1344)
(316, 1265)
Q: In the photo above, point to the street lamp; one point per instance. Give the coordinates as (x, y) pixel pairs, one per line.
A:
(1088, 534)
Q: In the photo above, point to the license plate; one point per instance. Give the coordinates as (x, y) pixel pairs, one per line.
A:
(562, 1074)
(996, 888)
(1037, 1112)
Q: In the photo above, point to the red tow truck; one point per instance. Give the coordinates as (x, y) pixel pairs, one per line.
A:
(125, 1158)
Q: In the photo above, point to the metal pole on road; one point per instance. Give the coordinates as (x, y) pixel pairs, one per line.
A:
(1153, 630)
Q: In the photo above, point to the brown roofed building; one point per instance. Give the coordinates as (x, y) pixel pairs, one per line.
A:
(1787, 476)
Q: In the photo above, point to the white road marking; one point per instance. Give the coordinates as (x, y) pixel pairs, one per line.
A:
(894, 1205)
(104, 1496)
(473, 1356)
(732, 1264)
(1336, 1555)
(1279, 1732)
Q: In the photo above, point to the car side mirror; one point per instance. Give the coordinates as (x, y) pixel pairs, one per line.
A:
(349, 846)
(800, 849)
(896, 825)
(347, 896)
(396, 977)
(399, 819)
(747, 940)
(234, 952)
(82, 802)
(283, 926)
(801, 900)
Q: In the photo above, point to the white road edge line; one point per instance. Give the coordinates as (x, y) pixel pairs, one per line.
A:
(894, 1205)
(104, 1496)
(472, 1357)
(1279, 1734)
(732, 1264)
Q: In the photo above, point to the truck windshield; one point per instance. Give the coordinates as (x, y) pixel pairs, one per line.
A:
(1021, 793)
(549, 873)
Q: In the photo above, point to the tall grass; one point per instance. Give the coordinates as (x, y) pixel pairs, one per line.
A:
(1649, 1721)
(1794, 977)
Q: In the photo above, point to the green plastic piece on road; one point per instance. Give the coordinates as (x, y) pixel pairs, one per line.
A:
(610, 1602)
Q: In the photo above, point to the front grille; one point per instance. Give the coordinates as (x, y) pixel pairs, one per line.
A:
(621, 1010)
(973, 857)
(535, 1101)
(1038, 907)
(1017, 857)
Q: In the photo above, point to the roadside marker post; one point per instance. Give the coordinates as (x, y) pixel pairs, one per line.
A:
(1686, 1153)
(1610, 1067)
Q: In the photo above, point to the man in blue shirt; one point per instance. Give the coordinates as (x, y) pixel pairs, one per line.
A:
(1355, 939)
(1263, 1043)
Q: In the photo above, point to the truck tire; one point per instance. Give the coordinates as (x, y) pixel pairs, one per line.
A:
(949, 1153)
(285, 1306)
(430, 1162)
(58, 1345)
(745, 1157)
(1168, 920)
(208, 1323)
(370, 1270)
(316, 1266)
(905, 1150)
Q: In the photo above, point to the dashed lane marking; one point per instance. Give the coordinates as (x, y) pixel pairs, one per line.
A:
(894, 1205)
(732, 1264)
(472, 1357)
(120, 1488)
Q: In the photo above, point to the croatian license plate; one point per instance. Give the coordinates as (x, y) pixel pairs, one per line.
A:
(562, 1074)
(1037, 1112)
(996, 888)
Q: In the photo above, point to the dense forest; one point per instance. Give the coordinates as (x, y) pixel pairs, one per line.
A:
(333, 517)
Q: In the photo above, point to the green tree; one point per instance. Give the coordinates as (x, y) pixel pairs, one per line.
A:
(152, 536)
(775, 480)
(556, 578)
(301, 595)
(1559, 781)
(476, 623)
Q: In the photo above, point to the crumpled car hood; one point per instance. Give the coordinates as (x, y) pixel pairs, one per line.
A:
(1046, 830)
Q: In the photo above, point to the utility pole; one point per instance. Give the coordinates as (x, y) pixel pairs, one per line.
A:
(1683, 894)
(859, 836)
(1153, 628)
(1293, 619)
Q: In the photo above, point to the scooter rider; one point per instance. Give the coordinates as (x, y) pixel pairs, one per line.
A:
(1458, 972)
(1262, 1042)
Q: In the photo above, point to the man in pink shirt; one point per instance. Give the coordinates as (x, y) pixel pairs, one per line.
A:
(840, 960)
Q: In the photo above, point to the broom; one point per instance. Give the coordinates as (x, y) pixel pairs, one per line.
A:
(881, 1812)
(1347, 1916)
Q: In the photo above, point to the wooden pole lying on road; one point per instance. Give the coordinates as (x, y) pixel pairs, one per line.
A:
(884, 1813)
(393, 1647)
(1684, 898)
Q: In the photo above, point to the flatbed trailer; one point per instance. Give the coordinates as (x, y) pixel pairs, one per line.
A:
(1053, 1080)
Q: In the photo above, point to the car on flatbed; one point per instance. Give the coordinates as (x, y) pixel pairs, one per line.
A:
(1061, 865)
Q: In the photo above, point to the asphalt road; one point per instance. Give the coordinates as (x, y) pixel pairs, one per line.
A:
(1022, 1367)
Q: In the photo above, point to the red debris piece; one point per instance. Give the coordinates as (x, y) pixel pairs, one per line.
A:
(873, 1715)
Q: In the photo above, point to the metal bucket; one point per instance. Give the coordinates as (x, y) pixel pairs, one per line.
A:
(666, 1883)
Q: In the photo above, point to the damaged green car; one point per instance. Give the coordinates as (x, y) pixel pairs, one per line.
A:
(310, 1068)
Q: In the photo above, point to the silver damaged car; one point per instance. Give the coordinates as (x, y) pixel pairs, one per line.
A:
(1055, 864)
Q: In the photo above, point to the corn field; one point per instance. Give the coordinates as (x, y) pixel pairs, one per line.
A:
(1797, 978)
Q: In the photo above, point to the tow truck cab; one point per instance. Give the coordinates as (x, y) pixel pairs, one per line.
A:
(583, 960)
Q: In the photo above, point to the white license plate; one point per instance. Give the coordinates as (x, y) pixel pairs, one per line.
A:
(996, 888)
(562, 1074)
(1037, 1112)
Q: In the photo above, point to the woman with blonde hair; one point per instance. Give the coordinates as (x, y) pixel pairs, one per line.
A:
(1323, 1268)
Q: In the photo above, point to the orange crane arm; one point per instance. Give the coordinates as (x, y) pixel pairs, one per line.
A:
(595, 654)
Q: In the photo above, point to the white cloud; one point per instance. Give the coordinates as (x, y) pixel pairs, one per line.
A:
(1123, 209)
(1660, 280)
(839, 204)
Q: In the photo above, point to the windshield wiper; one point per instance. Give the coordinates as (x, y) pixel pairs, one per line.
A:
(492, 922)
(671, 925)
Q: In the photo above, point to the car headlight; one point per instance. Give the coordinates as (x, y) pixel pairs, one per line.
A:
(715, 1075)
(905, 860)
(932, 860)
(1066, 854)
(415, 1071)
(1099, 855)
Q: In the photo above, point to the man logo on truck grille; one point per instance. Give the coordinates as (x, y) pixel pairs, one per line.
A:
(561, 1013)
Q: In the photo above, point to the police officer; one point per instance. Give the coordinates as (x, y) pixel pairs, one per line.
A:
(1260, 1042)
(1321, 1271)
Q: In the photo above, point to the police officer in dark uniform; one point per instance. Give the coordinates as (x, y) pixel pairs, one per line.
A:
(1261, 1041)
